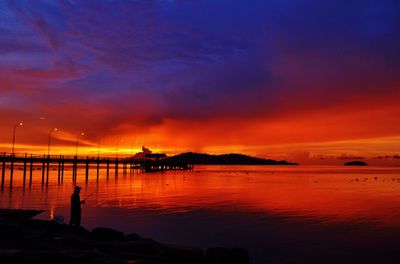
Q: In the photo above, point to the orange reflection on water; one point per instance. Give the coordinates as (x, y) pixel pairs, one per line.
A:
(325, 193)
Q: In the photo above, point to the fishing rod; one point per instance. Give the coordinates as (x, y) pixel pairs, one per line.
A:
(88, 196)
(92, 193)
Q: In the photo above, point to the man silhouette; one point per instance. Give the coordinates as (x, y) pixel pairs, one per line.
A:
(76, 207)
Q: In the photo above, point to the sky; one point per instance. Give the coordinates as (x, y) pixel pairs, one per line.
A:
(305, 80)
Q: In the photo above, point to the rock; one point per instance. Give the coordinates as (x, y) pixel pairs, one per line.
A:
(132, 237)
(103, 233)
(181, 255)
(226, 255)
(71, 241)
(142, 247)
(31, 241)
(143, 261)
(10, 230)
(59, 219)
(8, 252)
(63, 257)
(18, 213)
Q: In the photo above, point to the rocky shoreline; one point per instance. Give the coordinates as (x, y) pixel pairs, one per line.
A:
(39, 241)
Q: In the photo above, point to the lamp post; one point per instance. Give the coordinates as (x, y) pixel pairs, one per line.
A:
(13, 142)
(76, 145)
(48, 145)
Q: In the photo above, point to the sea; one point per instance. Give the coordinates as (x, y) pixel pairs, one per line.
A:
(279, 214)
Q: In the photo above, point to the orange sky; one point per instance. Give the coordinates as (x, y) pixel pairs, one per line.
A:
(314, 136)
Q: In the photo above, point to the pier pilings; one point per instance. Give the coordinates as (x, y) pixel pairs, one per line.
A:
(45, 163)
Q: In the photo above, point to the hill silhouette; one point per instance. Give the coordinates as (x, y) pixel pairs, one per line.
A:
(224, 159)
(356, 163)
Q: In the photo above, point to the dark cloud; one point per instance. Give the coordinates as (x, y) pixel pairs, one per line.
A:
(350, 157)
(395, 157)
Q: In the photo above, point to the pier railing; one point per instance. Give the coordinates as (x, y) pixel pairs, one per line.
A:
(29, 161)
(22, 156)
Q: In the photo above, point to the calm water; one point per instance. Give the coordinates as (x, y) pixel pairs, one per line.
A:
(297, 214)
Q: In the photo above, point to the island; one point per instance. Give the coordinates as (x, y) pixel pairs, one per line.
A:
(224, 159)
(356, 163)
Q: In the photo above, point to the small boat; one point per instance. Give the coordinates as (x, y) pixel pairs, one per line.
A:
(19, 213)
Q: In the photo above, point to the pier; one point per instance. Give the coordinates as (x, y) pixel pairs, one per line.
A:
(27, 163)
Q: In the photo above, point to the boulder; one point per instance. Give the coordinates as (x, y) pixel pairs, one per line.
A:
(181, 255)
(53, 227)
(62, 257)
(26, 241)
(141, 247)
(108, 234)
(10, 230)
(227, 255)
(143, 261)
(132, 237)
(6, 252)
(70, 241)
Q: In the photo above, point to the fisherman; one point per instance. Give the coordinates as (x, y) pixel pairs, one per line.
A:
(76, 207)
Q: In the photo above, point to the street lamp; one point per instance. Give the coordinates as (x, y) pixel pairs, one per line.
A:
(15, 127)
(48, 146)
(76, 146)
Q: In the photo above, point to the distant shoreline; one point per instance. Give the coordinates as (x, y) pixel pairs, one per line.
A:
(225, 159)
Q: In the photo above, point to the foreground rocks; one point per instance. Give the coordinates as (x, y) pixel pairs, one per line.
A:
(37, 241)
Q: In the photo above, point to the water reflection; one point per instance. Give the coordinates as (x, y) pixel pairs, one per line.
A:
(231, 205)
(332, 193)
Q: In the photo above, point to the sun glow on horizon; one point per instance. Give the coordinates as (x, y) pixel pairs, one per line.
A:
(380, 150)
